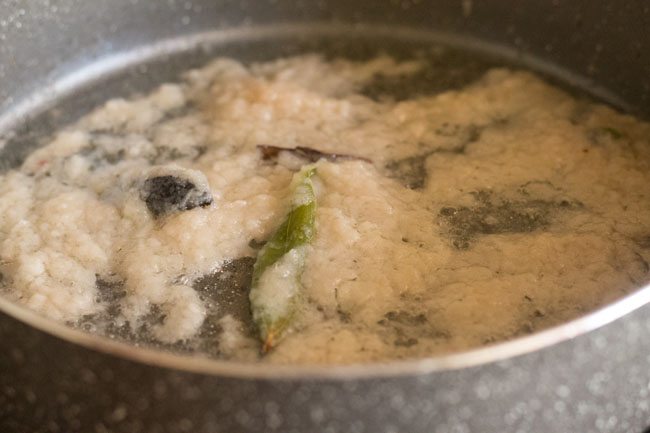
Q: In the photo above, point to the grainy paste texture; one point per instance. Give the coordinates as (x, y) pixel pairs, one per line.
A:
(471, 216)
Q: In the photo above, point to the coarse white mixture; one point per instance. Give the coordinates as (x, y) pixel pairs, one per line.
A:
(485, 213)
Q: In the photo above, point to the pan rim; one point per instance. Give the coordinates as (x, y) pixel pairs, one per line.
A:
(56, 88)
(259, 370)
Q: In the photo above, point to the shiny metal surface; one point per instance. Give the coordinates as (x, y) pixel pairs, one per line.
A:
(589, 375)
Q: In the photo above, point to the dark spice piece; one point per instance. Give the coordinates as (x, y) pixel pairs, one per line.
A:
(164, 194)
(308, 154)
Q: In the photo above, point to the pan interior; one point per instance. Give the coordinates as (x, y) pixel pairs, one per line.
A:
(454, 63)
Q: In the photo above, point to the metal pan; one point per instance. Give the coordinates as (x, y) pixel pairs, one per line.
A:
(588, 375)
